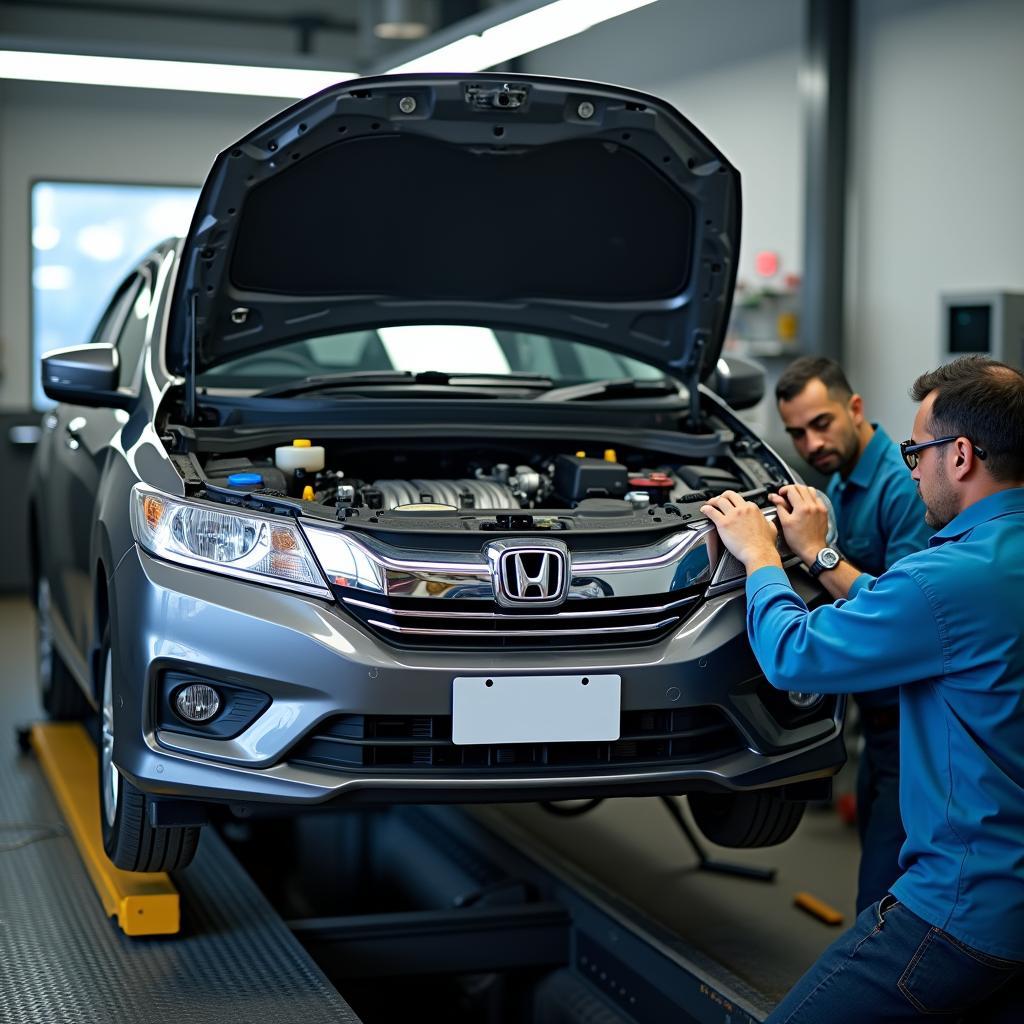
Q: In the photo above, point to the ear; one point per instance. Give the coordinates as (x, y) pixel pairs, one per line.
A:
(856, 407)
(963, 458)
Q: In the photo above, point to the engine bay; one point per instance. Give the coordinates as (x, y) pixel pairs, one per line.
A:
(430, 483)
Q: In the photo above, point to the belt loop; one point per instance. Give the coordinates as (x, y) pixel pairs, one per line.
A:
(883, 906)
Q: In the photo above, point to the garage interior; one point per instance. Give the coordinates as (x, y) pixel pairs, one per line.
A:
(878, 143)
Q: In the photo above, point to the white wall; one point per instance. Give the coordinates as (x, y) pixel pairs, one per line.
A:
(94, 134)
(937, 190)
(732, 68)
(936, 201)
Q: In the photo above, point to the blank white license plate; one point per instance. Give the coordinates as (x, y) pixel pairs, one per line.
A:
(535, 709)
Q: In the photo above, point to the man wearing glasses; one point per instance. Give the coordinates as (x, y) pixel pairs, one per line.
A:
(879, 519)
(945, 626)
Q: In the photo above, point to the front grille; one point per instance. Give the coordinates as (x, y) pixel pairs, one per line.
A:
(471, 624)
(423, 745)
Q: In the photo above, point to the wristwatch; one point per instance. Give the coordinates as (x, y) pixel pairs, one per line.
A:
(826, 558)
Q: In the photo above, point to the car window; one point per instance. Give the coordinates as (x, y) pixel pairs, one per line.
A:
(110, 322)
(132, 334)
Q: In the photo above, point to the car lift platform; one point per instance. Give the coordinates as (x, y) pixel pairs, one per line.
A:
(481, 899)
(62, 960)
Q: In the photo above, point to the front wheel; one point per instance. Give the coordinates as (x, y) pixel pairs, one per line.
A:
(131, 842)
(743, 820)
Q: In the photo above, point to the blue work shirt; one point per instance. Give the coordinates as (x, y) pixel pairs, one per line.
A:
(944, 625)
(879, 519)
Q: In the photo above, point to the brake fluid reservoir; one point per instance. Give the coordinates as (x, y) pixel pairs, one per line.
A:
(300, 454)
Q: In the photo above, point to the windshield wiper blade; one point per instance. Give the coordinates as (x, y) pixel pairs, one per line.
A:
(334, 380)
(508, 380)
(623, 387)
(328, 382)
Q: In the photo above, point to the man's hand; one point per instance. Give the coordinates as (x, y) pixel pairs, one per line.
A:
(744, 530)
(803, 518)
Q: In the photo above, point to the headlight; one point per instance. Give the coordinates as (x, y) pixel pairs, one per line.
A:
(346, 562)
(262, 549)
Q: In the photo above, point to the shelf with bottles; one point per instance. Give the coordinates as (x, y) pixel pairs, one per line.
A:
(765, 317)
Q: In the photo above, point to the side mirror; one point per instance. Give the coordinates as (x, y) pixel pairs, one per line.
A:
(85, 375)
(739, 382)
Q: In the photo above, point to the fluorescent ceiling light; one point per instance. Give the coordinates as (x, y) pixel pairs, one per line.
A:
(187, 76)
(523, 34)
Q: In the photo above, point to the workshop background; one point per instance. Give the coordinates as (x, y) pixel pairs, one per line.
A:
(869, 191)
(926, 200)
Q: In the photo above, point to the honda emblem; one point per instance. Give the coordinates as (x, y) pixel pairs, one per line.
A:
(529, 575)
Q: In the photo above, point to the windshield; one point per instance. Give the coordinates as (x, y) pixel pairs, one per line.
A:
(429, 347)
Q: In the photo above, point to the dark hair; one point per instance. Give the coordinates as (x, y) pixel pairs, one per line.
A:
(802, 371)
(982, 400)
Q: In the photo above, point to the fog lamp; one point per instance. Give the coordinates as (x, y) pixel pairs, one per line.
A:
(803, 700)
(197, 702)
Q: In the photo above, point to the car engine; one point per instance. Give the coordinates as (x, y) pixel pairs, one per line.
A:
(559, 481)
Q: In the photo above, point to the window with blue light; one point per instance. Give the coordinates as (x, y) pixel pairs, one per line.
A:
(86, 238)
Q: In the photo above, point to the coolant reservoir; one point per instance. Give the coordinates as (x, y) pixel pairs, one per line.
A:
(300, 454)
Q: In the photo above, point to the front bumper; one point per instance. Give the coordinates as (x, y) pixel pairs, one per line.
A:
(315, 662)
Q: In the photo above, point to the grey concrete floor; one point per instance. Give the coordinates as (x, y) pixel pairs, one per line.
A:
(629, 847)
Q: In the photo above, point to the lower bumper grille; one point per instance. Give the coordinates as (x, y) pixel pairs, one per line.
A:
(423, 744)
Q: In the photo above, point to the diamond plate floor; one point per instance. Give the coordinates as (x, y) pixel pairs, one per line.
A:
(63, 962)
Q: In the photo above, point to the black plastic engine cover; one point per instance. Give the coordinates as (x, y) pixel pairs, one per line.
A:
(578, 477)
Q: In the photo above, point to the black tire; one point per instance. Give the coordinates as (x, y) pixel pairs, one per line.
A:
(744, 820)
(130, 841)
(59, 692)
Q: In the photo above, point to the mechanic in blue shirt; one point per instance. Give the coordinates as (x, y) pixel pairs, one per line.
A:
(879, 518)
(945, 626)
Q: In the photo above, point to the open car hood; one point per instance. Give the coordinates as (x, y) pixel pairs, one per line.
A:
(570, 208)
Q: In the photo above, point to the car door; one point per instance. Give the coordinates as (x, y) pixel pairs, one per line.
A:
(79, 447)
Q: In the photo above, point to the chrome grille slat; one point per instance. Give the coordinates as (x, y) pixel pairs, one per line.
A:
(476, 623)
(498, 633)
(506, 617)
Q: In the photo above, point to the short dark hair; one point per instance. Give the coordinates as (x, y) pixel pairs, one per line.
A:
(983, 400)
(802, 371)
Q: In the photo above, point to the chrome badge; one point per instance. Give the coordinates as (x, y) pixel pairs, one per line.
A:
(529, 575)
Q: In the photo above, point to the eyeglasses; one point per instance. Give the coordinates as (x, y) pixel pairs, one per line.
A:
(909, 450)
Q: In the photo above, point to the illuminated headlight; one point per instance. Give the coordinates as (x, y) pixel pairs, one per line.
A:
(803, 700)
(262, 549)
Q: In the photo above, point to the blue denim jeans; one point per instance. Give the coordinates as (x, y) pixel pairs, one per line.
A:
(892, 966)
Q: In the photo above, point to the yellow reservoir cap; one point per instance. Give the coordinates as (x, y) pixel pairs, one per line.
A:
(581, 455)
(610, 456)
(307, 493)
(302, 442)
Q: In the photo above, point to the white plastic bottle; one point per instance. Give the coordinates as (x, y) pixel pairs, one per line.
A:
(300, 454)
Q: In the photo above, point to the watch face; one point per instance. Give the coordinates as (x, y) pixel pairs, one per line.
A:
(828, 557)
